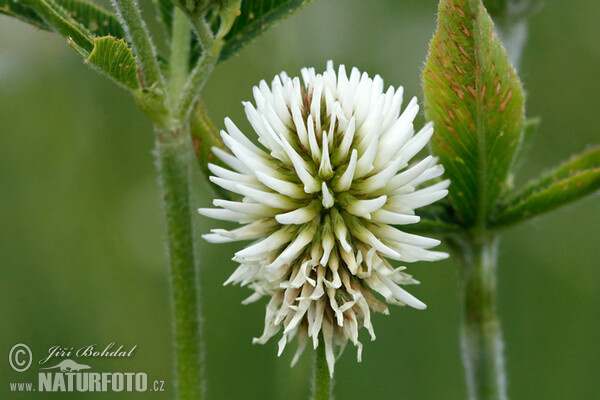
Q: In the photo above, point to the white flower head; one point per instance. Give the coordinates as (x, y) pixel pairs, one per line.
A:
(321, 198)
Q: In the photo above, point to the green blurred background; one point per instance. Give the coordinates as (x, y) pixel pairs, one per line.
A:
(82, 257)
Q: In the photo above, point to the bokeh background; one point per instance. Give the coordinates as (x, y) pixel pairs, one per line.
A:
(82, 259)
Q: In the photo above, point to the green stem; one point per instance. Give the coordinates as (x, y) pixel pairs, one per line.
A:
(180, 52)
(481, 336)
(174, 160)
(211, 48)
(322, 379)
(129, 14)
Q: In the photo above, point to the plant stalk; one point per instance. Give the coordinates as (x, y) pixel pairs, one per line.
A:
(174, 161)
(130, 17)
(211, 48)
(180, 52)
(322, 380)
(481, 336)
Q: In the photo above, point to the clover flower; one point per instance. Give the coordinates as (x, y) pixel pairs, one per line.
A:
(320, 199)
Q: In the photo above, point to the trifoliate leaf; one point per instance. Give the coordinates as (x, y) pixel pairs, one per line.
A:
(570, 181)
(256, 16)
(475, 99)
(113, 57)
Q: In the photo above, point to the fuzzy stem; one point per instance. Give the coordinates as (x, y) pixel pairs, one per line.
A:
(180, 52)
(211, 48)
(174, 160)
(130, 17)
(322, 380)
(481, 336)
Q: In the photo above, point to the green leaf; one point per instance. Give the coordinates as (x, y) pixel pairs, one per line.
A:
(87, 17)
(530, 127)
(60, 21)
(96, 20)
(113, 58)
(570, 181)
(256, 16)
(475, 99)
(23, 13)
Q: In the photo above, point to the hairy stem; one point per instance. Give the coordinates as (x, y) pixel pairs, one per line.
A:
(174, 160)
(180, 52)
(481, 336)
(130, 17)
(211, 49)
(322, 380)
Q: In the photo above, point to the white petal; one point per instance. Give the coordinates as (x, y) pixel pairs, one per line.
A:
(325, 170)
(394, 108)
(418, 142)
(233, 130)
(365, 162)
(226, 184)
(404, 296)
(389, 217)
(387, 232)
(327, 330)
(304, 238)
(312, 139)
(225, 215)
(310, 184)
(216, 238)
(410, 174)
(382, 178)
(367, 236)
(231, 161)
(301, 215)
(272, 242)
(328, 200)
(230, 175)
(299, 124)
(315, 105)
(284, 187)
(421, 197)
(364, 208)
(270, 199)
(342, 151)
(345, 181)
(245, 208)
